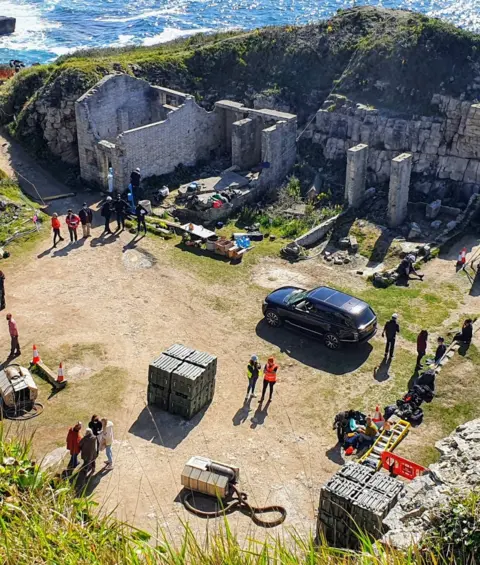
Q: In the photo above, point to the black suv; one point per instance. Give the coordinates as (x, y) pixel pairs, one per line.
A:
(323, 311)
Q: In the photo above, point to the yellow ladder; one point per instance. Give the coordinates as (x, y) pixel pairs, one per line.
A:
(386, 441)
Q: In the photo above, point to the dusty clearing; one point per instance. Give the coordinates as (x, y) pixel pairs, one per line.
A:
(107, 306)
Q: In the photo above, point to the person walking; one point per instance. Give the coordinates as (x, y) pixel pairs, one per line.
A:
(390, 331)
(421, 346)
(440, 352)
(73, 221)
(56, 229)
(141, 214)
(2, 291)
(106, 441)
(73, 444)
(253, 371)
(106, 213)
(269, 378)
(95, 425)
(120, 207)
(13, 330)
(89, 451)
(86, 217)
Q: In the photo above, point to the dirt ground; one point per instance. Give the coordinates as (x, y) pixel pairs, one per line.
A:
(108, 306)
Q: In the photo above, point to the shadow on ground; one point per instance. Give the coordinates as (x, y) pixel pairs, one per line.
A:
(312, 352)
(160, 427)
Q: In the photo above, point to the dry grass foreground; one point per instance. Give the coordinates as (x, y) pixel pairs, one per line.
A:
(106, 307)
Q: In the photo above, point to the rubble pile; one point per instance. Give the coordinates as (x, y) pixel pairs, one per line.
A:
(457, 472)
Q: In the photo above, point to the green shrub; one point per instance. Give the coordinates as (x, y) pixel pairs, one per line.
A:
(293, 188)
(455, 532)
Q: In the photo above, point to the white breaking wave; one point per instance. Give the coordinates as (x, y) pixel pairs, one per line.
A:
(140, 16)
(170, 33)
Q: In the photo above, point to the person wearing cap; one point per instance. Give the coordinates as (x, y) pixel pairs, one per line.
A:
(86, 217)
(13, 331)
(269, 378)
(253, 371)
(73, 444)
(106, 213)
(390, 331)
(73, 222)
(56, 229)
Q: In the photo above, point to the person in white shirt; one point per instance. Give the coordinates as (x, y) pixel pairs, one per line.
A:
(106, 441)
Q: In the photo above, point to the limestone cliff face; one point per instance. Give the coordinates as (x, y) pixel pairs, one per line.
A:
(445, 146)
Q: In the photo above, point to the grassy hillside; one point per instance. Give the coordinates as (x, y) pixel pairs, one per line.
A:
(388, 58)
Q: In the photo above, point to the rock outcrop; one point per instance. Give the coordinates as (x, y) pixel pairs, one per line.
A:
(7, 25)
(457, 472)
(445, 146)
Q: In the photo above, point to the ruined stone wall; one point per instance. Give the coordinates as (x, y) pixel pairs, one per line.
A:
(116, 102)
(279, 148)
(445, 147)
(186, 136)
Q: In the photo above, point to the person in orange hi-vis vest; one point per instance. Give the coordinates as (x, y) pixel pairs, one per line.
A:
(269, 378)
(56, 229)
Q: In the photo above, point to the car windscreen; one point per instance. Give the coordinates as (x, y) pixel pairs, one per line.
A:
(296, 296)
(364, 317)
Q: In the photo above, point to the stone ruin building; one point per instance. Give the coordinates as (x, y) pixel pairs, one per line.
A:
(125, 122)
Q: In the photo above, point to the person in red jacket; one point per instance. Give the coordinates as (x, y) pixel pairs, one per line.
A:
(56, 229)
(73, 222)
(73, 444)
(422, 339)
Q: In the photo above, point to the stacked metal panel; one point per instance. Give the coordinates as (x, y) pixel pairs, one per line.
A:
(355, 500)
(182, 380)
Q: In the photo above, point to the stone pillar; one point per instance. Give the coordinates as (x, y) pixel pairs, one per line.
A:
(400, 172)
(356, 174)
(246, 145)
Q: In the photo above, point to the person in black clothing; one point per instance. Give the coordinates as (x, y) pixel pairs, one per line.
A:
(253, 370)
(390, 331)
(86, 218)
(135, 182)
(2, 291)
(95, 425)
(120, 207)
(106, 213)
(440, 352)
(141, 213)
(407, 268)
(465, 336)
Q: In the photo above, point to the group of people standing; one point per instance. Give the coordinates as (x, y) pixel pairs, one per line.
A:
(269, 377)
(392, 328)
(98, 437)
(84, 218)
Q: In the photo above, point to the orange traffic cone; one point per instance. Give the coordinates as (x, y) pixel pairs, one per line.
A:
(462, 256)
(36, 356)
(60, 377)
(378, 415)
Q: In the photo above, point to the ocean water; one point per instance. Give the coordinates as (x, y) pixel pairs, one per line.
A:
(49, 28)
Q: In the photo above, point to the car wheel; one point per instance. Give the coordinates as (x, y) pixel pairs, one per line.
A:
(273, 319)
(331, 341)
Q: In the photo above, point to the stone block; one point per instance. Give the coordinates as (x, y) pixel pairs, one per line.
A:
(433, 209)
